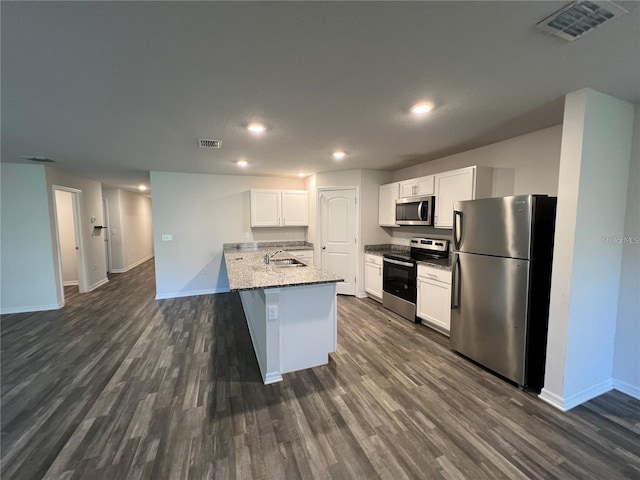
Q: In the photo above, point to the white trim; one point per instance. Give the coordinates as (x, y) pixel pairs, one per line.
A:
(70, 283)
(31, 308)
(362, 295)
(97, 284)
(628, 388)
(578, 398)
(272, 377)
(133, 265)
(192, 293)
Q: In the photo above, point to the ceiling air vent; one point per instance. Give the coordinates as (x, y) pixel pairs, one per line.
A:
(577, 18)
(208, 143)
(37, 159)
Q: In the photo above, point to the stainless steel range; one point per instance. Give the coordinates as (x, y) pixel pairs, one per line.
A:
(399, 273)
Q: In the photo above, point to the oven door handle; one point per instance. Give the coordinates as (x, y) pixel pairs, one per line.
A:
(398, 262)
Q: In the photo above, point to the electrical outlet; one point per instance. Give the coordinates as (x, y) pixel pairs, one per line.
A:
(205, 271)
(247, 235)
(167, 237)
(272, 312)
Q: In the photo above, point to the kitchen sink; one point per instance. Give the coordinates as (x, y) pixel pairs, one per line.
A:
(287, 262)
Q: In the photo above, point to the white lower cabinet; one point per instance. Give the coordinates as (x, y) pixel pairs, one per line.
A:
(373, 276)
(434, 297)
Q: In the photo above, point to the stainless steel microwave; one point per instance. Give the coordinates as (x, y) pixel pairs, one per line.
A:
(415, 210)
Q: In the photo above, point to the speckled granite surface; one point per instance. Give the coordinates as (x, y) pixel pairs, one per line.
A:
(254, 246)
(247, 271)
(386, 248)
(444, 264)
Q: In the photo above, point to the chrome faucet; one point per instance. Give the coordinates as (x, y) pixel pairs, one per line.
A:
(268, 257)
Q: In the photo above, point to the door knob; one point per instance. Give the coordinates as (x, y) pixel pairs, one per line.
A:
(324, 248)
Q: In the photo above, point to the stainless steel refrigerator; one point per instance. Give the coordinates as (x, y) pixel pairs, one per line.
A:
(501, 269)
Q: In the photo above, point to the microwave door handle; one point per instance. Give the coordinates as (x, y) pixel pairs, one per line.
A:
(420, 211)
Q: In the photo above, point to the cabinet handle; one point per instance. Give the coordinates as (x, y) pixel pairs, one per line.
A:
(379, 270)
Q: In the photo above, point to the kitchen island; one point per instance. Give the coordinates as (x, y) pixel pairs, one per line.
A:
(291, 311)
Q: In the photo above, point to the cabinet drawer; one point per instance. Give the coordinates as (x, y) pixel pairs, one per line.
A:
(431, 273)
(374, 259)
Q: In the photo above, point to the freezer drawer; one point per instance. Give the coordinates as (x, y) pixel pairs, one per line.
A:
(489, 312)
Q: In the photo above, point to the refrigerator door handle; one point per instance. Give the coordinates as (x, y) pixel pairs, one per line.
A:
(455, 283)
(457, 215)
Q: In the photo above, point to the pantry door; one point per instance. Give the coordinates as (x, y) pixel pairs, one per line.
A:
(338, 235)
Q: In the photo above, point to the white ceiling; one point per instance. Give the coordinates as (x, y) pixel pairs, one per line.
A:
(112, 90)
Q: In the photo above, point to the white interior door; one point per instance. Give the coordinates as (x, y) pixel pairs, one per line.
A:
(107, 233)
(338, 235)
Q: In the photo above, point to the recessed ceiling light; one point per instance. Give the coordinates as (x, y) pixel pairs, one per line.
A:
(422, 107)
(256, 127)
(142, 188)
(242, 163)
(302, 175)
(339, 154)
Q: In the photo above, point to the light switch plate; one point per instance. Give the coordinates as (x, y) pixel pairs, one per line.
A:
(167, 237)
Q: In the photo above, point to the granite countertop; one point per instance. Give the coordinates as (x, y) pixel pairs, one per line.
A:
(247, 271)
(444, 264)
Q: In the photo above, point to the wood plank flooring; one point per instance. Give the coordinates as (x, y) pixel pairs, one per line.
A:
(119, 385)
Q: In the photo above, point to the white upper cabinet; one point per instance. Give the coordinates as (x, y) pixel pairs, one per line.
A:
(417, 186)
(463, 184)
(295, 208)
(387, 205)
(279, 208)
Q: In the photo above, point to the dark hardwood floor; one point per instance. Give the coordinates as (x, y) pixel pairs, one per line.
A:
(119, 385)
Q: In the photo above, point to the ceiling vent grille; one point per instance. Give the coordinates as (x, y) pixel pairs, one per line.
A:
(209, 143)
(578, 18)
(37, 159)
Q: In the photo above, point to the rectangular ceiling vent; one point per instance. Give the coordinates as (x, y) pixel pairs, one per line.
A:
(577, 18)
(208, 143)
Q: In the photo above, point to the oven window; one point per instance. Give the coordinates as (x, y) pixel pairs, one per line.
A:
(399, 281)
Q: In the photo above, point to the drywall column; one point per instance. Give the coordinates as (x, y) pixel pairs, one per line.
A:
(626, 362)
(27, 263)
(592, 193)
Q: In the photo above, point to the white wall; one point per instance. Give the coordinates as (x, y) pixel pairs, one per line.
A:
(131, 232)
(626, 360)
(593, 178)
(91, 206)
(524, 164)
(202, 212)
(27, 269)
(67, 237)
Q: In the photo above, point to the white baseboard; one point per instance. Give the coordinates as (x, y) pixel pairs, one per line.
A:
(192, 293)
(97, 284)
(30, 308)
(578, 398)
(133, 265)
(628, 388)
(272, 378)
(70, 283)
(361, 295)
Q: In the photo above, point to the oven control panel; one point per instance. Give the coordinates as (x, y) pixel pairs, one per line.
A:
(434, 244)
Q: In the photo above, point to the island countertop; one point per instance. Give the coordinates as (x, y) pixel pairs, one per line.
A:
(247, 271)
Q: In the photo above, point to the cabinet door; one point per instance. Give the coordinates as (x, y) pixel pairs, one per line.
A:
(434, 304)
(265, 208)
(387, 205)
(295, 208)
(373, 279)
(408, 188)
(425, 185)
(451, 187)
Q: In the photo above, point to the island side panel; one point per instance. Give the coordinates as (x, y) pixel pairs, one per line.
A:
(264, 332)
(308, 326)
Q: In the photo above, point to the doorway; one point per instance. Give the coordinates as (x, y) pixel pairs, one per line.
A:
(107, 234)
(67, 208)
(338, 217)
